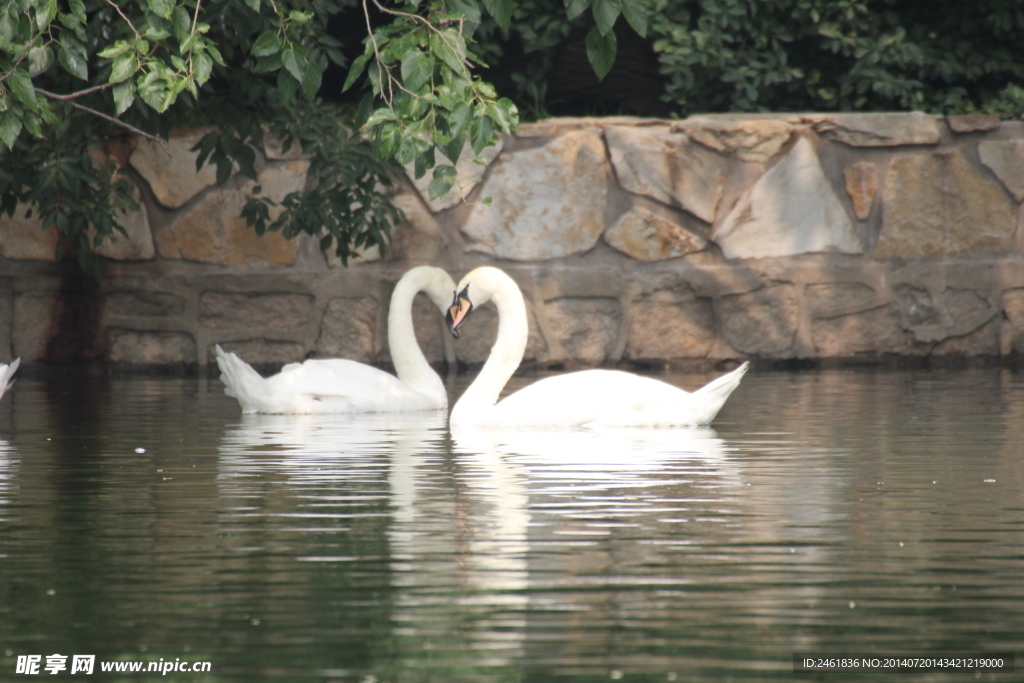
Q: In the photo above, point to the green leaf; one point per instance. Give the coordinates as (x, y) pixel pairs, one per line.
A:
(204, 65)
(460, 119)
(416, 69)
(10, 127)
(124, 95)
(182, 24)
(453, 150)
(78, 10)
(444, 45)
(161, 8)
(268, 64)
(379, 116)
(605, 14)
(294, 62)
(21, 86)
(45, 15)
(355, 71)
(73, 58)
(124, 68)
(601, 51)
(254, 5)
(468, 8)
(483, 131)
(574, 8)
(299, 17)
(443, 181)
(312, 77)
(504, 114)
(501, 10)
(636, 15)
(39, 60)
(267, 44)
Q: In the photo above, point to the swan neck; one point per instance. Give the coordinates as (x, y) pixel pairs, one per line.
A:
(411, 365)
(506, 354)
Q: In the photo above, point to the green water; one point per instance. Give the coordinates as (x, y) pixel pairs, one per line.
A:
(145, 519)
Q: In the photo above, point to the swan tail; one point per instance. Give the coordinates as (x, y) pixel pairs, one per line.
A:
(713, 395)
(240, 380)
(6, 375)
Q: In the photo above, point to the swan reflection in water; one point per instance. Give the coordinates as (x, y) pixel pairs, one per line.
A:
(464, 517)
(8, 476)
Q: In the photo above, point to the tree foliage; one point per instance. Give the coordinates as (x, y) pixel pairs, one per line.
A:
(76, 73)
(939, 56)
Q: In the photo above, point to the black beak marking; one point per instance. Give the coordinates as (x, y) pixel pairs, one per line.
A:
(461, 307)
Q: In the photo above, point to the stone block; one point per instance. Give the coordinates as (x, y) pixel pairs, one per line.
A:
(137, 348)
(791, 210)
(143, 304)
(653, 235)
(547, 202)
(212, 229)
(879, 130)
(954, 313)
(937, 205)
(861, 184)
(173, 177)
(760, 323)
(349, 329)
(585, 328)
(658, 163)
(138, 244)
(33, 324)
(1013, 309)
(223, 310)
(830, 300)
(878, 330)
(982, 342)
(22, 237)
(662, 327)
(754, 140)
(418, 237)
(1005, 158)
(972, 123)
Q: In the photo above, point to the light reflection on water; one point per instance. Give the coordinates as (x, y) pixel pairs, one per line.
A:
(829, 511)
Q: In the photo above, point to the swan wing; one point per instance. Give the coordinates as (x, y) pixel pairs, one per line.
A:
(7, 375)
(347, 386)
(320, 386)
(608, 398)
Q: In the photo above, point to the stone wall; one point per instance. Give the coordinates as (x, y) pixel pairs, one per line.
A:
(780, 238)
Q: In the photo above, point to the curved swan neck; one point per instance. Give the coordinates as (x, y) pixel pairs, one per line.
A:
(411, 365)
(509, 347)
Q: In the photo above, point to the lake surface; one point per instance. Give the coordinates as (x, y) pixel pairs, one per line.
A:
(146, 519)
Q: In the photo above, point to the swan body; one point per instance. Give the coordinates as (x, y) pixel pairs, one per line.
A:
(7, 373)
(345, 386)
(591, 398)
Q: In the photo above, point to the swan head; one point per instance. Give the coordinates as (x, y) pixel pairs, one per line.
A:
(487, 283)
(458, 311)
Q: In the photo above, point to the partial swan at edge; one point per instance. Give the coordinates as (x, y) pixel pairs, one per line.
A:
(7, 371)
(591, 398)
(346, 386)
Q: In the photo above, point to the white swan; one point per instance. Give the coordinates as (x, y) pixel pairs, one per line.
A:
(345, 386)
(7, 372)
(591, 398)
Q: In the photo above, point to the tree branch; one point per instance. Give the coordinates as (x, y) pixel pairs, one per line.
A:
(105, 117)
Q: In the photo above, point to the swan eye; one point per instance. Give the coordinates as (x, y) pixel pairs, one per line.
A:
(457, 312)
